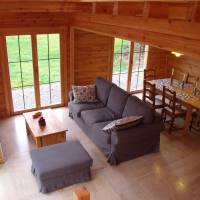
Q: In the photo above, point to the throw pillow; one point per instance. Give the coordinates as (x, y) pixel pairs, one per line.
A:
(123, 123)
(83, 94)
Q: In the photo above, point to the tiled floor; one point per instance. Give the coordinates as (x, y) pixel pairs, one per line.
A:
(174, 173)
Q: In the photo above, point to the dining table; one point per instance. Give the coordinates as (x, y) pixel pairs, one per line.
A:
(184, 94)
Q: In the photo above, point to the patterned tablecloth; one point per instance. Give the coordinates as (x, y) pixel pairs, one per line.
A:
(185, 94)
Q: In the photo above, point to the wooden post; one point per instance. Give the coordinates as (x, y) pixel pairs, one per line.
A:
(1, 155)
(81, 193)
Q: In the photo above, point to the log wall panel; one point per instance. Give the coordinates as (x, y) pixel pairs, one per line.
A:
(158, 60)
(185, 64)
(92, 54)
(16, 20)
(128, 9)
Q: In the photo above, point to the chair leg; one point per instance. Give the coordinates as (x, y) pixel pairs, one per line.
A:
(171, 125)
(164, 115)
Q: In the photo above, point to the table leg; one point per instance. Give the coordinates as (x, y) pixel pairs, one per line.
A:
(27, 129)
(188, 119)
(38, 141)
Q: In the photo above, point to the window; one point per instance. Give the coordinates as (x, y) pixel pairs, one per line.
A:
(140, 54)
(121, 62)
(124, 75)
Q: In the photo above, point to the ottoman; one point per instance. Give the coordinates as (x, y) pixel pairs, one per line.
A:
(60, 165)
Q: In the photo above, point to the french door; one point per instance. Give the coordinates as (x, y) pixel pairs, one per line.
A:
(35, 71)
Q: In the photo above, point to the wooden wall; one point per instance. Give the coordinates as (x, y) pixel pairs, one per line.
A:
(158, 60)
(92, 57)
(185, 64)
(2, 95)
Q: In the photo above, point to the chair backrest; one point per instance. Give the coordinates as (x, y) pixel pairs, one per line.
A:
(178, 75)
(149, 92)
(192, 80)
(149, 74)
(169, 99)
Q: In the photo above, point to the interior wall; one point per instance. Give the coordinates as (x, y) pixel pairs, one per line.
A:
(92, 57)
(185, 64)
(158, 60)
(2, 95)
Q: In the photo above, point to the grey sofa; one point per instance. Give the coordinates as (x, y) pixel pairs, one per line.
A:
(114, 103)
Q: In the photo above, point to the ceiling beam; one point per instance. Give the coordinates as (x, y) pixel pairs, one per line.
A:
(163, 41)
(165, 26)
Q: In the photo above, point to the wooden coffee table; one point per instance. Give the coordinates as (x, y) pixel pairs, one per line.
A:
(54, 131)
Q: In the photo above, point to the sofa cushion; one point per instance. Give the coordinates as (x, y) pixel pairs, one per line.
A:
(117, 100)
(97, 115)
(103, 89)
(86, 93)
(77, 108)
(135, 106)
(123, 123)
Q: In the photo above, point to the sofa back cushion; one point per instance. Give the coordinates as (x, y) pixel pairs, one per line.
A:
(135, 106)
(117, 100)
(103, 89)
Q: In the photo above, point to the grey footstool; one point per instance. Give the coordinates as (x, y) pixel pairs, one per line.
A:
(60, 165)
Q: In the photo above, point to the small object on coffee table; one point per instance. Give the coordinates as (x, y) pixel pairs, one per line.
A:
(36, 115)
(1, 155)
(42, 122)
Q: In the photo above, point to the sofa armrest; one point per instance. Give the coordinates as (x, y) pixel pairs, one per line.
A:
(71, 96)
(139, 132)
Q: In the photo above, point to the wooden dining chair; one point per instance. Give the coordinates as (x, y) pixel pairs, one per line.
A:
(178, 75)
(193, 80)
(149, 96)
(149, 74)
(195, 123)
(170, 109)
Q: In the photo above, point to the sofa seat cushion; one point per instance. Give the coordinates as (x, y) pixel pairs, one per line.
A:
(117, 100)
(101, 138)
(77, 108)
(103, 87)
(97, 115)
(135, 106)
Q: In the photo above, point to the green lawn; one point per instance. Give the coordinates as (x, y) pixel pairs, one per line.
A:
(54, 58)
(26, 59)
(118, 49)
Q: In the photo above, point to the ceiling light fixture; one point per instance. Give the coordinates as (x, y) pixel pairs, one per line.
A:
(177, 54)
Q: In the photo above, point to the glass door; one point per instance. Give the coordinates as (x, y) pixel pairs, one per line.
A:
(34, 69)
(48, 48)
(20, 62)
